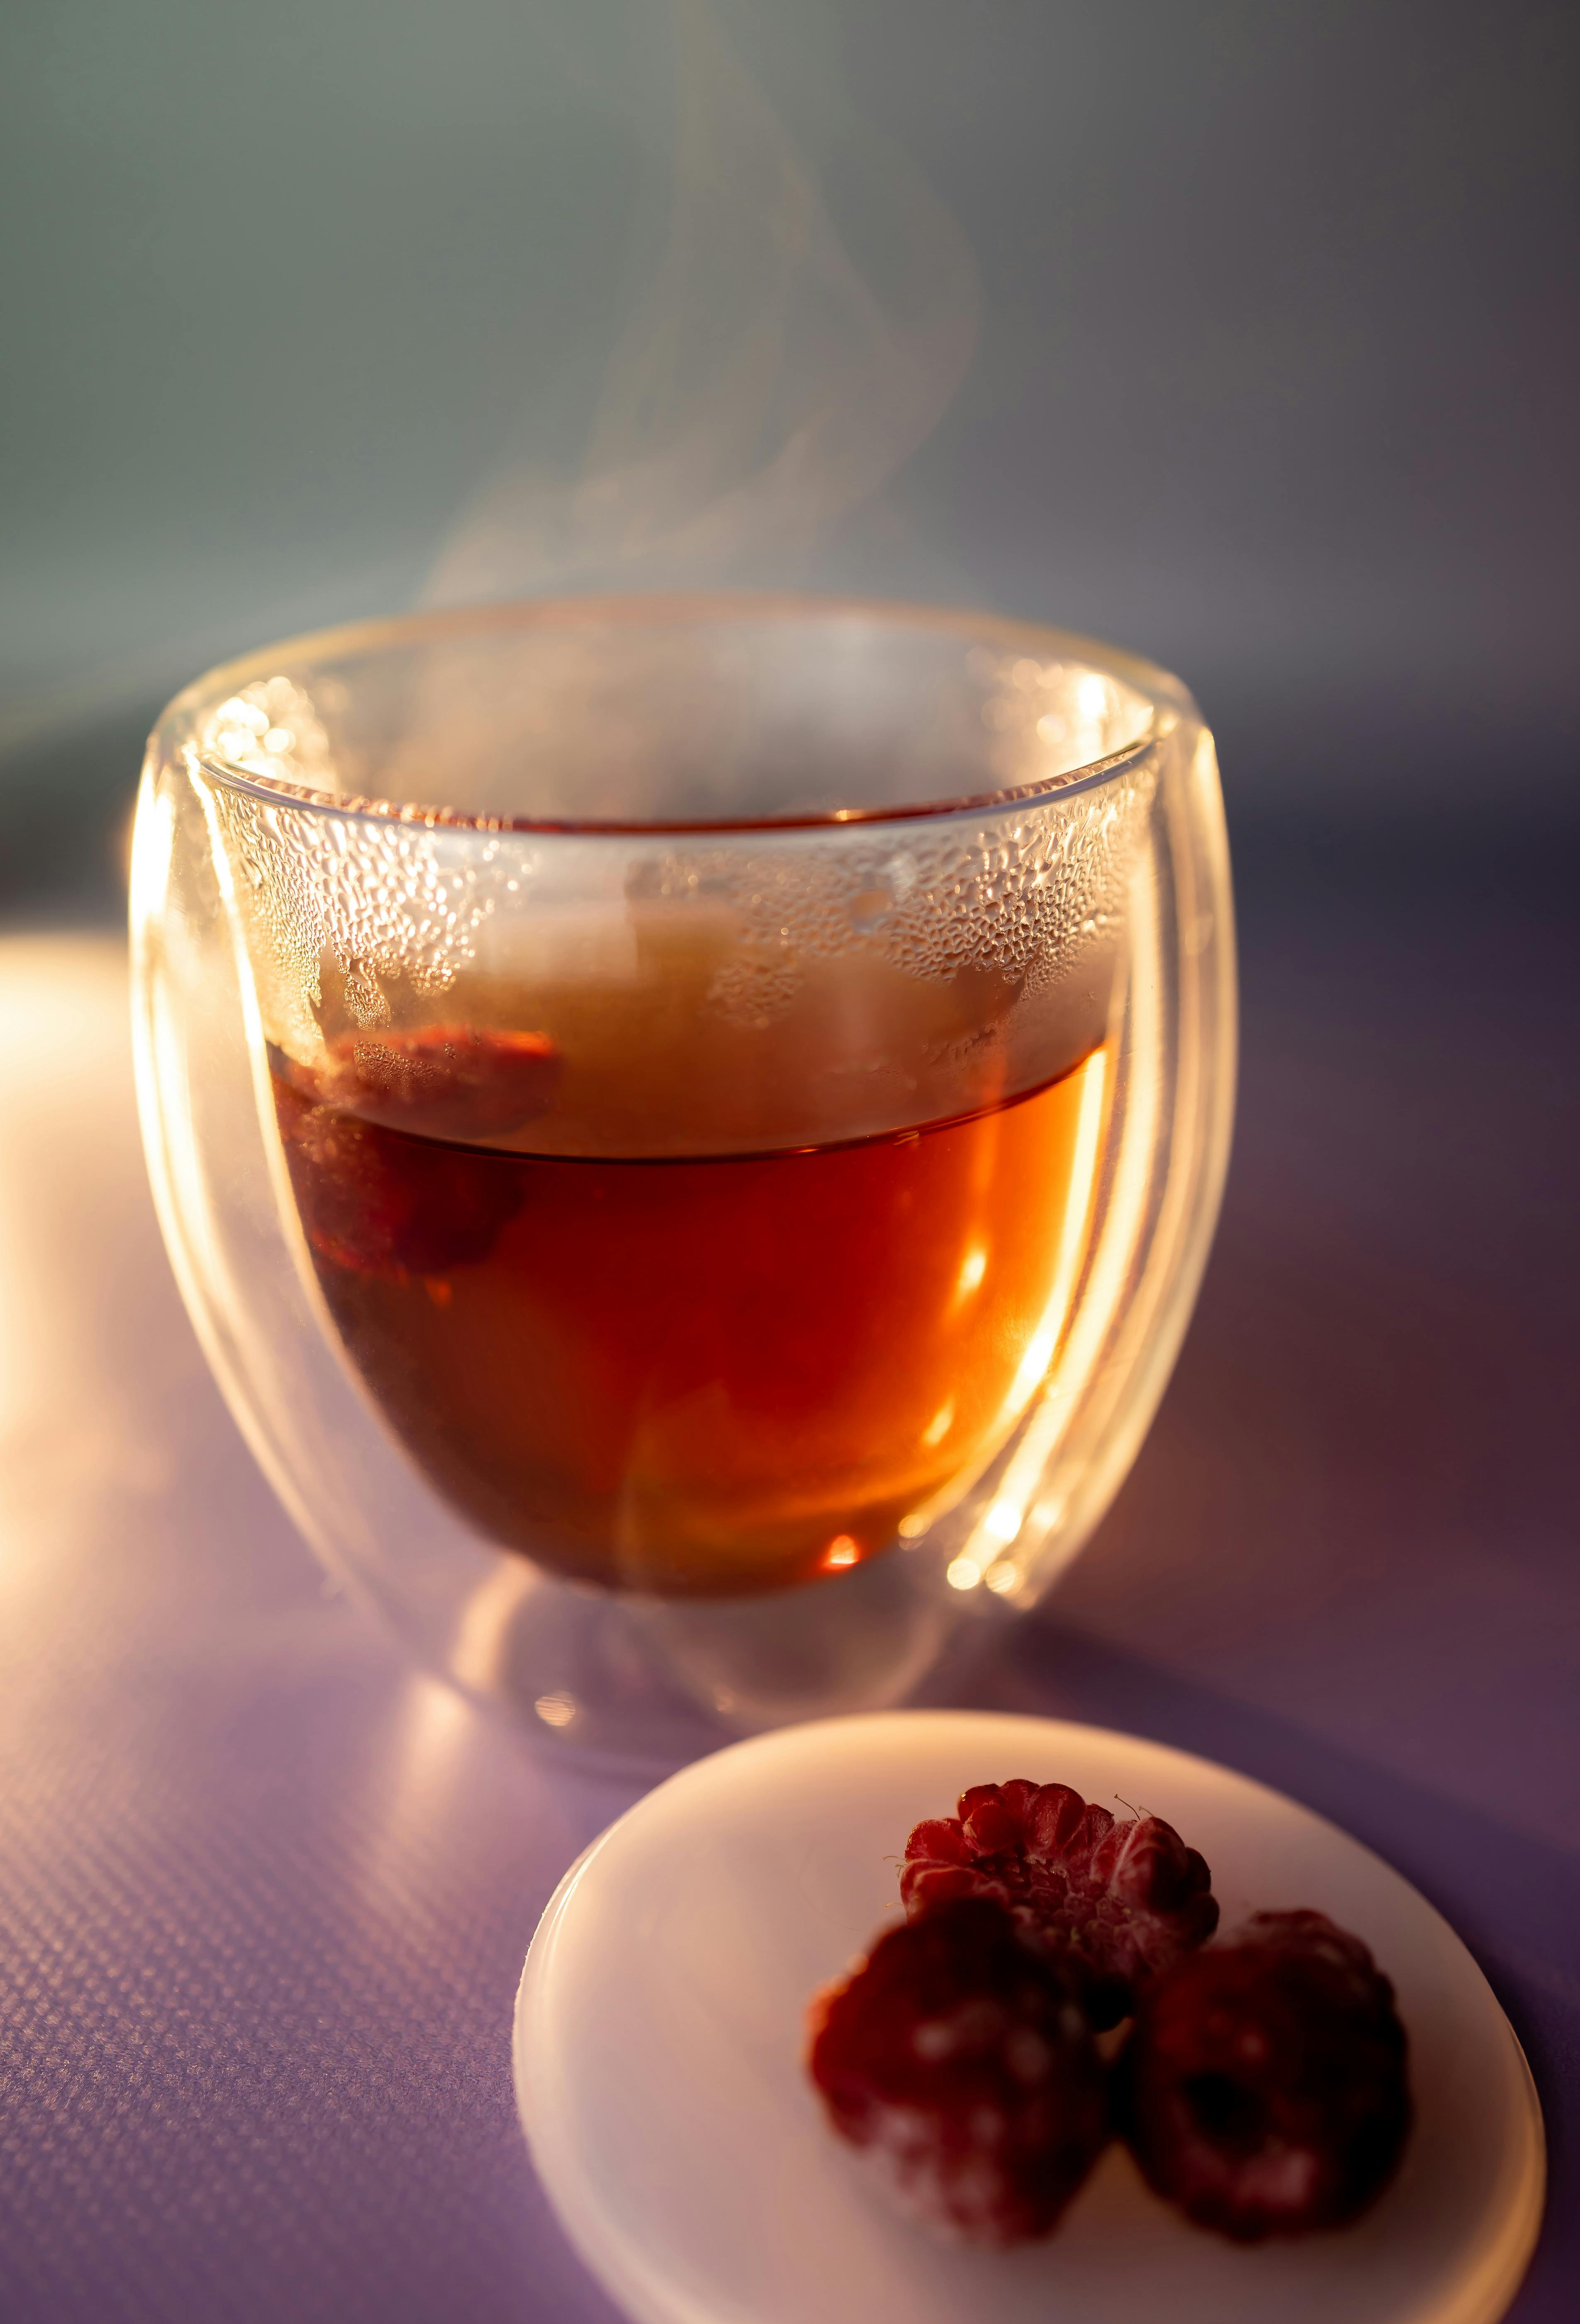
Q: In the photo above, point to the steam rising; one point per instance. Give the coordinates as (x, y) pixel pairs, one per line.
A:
(766, 385)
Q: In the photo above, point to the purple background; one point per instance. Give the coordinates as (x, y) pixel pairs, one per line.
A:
(264, 1895)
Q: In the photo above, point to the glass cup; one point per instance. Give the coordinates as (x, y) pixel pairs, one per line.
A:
(688, 1129)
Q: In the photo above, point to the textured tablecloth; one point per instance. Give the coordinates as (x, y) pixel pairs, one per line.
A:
(264, 1894)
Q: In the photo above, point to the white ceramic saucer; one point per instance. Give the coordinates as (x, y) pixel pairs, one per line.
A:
(659, 2034)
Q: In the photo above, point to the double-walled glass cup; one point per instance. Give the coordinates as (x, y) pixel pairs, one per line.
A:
(689, 1129)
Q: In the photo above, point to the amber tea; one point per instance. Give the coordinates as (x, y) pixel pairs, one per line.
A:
(709, 1372)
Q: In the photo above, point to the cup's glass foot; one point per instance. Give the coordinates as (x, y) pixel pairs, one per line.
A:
(653, 1683)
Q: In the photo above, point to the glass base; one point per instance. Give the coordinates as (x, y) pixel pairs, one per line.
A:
(647, 1685)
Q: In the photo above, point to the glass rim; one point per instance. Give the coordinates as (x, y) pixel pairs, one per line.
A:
(1166, 700)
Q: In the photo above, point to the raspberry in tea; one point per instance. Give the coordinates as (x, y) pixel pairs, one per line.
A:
(441, 1080)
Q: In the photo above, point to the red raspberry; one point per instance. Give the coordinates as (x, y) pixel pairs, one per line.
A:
(957, 2058)
(439, 1081)
(380, 1203)
(1263, 2086)
(1118, 1902)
